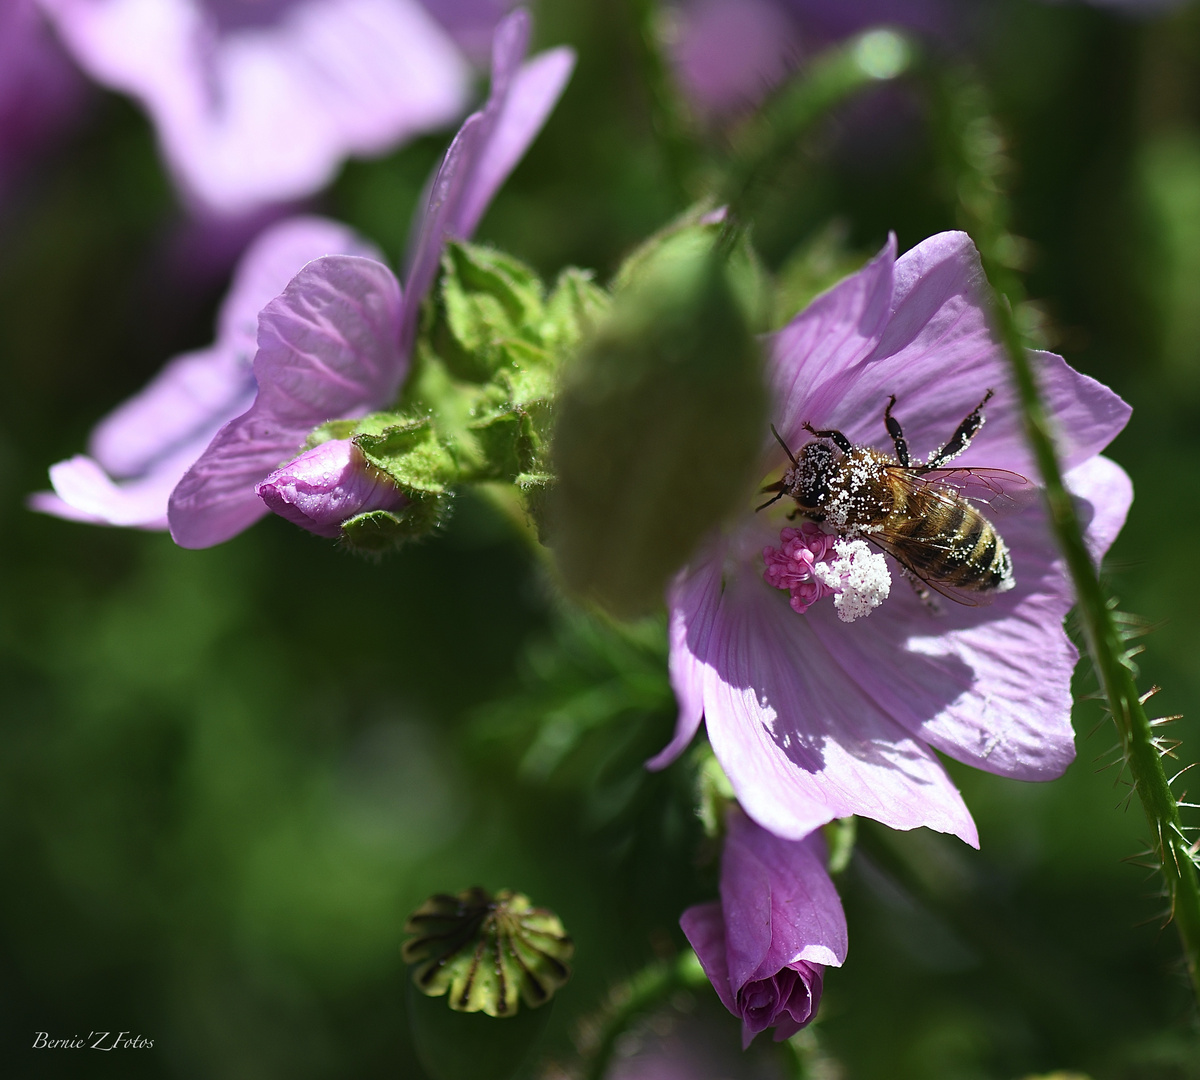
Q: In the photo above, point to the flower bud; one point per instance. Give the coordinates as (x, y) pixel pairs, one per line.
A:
(658, 427)
(486, 954)
(326, 486)
(778, 924)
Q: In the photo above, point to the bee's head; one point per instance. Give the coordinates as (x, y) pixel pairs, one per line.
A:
(808, 480)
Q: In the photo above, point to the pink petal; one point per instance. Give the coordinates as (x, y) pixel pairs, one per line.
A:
(534, 90)
(779, 901)
(939, 356)
(327, 349)
(704, 927)
(83, 491)
(195, 394)
(265, 113)
(326, 486)
(484, 152)
(838, 330)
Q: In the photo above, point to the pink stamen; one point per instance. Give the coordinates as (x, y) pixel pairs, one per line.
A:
(791, 565)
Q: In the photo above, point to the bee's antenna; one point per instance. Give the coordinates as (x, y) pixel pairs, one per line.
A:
(791, 456)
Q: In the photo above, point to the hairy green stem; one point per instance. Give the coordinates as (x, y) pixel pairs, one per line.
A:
(666, 113)
(644, 992)
(831, 78)
(977, 177)
(1110, 658)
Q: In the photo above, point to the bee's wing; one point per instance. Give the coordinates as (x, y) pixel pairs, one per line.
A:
(966, 597)
(1001, 491)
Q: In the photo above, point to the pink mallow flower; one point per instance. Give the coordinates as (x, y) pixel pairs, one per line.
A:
(259, 101)
(818, 710)
(327, 485)
(778, 925)
(295, 350)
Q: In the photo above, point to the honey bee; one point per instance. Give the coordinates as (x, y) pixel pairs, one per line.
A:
(922, 514)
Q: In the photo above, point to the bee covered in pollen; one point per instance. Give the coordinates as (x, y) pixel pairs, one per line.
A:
(922, 514)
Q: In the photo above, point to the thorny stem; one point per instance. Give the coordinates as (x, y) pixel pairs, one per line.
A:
(984, 212)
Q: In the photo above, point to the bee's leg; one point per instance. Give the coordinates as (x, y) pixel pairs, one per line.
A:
(894, 430)
(961, 439)
(839, 440)
(924, 593)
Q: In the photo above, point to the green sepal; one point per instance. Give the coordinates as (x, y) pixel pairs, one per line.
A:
(714, 793)
(840, 836)
(574, 310)
(486, 299)
(659, 425)
(487, 953)
(379, 531)
(409, 451)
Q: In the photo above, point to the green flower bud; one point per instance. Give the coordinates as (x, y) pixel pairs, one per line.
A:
(659, 424)
(486, 954)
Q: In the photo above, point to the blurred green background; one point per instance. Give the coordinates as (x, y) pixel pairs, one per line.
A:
(227, 776)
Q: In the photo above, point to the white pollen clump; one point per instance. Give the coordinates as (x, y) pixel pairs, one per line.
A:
(859, 576)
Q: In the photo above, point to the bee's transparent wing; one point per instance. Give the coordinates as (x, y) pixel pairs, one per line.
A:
(1000, 490)
(966, 597)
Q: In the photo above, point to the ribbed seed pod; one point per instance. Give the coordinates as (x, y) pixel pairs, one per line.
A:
(488, 953)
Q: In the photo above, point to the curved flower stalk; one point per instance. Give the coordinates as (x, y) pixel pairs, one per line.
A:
(332, 344)
(728, 54)
(259, 103)
(778, 925)
(140, 451)
(813, 717)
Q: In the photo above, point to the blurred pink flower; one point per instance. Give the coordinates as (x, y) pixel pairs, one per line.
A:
(41, 93)
(778, 925)
(295, 349)
(813, 717)
(259, 101)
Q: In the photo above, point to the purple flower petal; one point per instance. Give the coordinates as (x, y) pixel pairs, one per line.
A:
(41, 93)
(935, 350)
(326, 486)
(789, 909)
(484, 152)
(764, 947)
(83, 491)
(147, 443)
(989, 687)
(327, 349)
(704, 926)
(254, 114)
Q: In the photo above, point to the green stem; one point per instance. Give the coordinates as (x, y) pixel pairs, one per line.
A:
(984, 211)
(644, 992)
(836, 75)
(666, 114)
